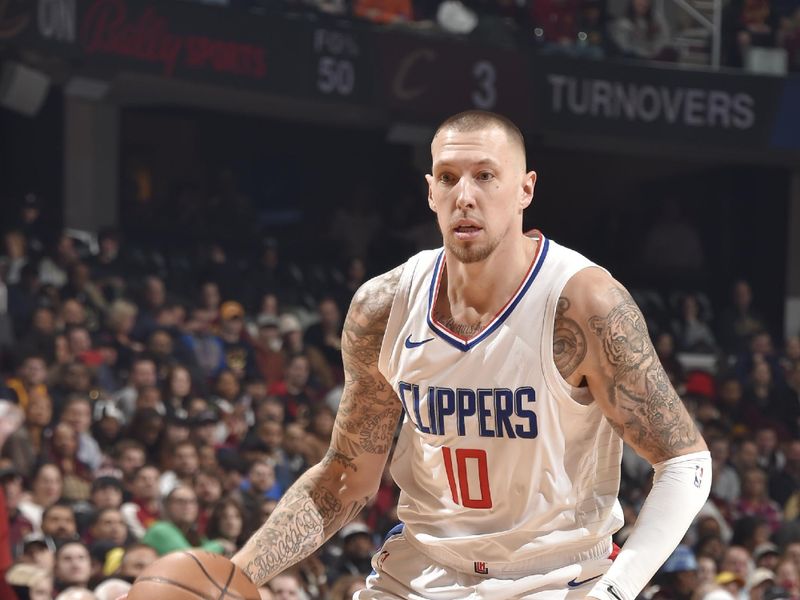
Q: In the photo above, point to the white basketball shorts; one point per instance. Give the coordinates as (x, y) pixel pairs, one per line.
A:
(401, 572)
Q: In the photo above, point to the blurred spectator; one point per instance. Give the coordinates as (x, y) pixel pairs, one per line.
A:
(111, 589)
(177, 391)
(18, 525)
(205, 347)
(30, 582)
(72, 566)
(144, 507)
(326, 334)
(226, 525)
(30, 378)
(77, 413)
(53, 268)
(46, 487)
(740, 321)
(269, 358)
(747, 24)
(357, 550)
(788, 578)
(346, 586)
(120, 321)
(154, 296)
(286, 586)
(786, 482)
(238, 352)
(759, 582)
(692, 333)
(261, 484)
(178, 528)
(736, 561)
(26, 444)
(59, 524)
(678, 576)
(295, 392)
(136, 559)
(643, 33)
(184, 465)
(107, 525)
(143, 374)
(725, 485)
(766, 400)
(77, 475)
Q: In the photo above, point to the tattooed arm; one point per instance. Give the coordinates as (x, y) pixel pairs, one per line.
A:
(333, 492)
(601, 340)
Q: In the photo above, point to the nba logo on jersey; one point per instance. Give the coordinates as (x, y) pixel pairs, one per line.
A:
(698, 476)
(481, 568)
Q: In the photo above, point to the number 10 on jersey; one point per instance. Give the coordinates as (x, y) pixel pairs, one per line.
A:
(467, 460)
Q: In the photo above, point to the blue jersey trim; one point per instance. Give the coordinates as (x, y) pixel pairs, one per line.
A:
(467, 345)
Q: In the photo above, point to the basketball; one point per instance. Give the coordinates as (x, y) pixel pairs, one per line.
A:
(193, 575)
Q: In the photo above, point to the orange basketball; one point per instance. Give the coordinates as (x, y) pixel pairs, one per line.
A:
(193, 575)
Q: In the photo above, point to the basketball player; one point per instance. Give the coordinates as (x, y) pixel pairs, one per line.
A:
(519, 368)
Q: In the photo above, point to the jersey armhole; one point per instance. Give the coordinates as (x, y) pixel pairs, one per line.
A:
(557, 385)
(397, 315)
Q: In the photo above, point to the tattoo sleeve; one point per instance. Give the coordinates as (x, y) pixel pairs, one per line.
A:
(645, 409)
(333, 492)
(569, 342)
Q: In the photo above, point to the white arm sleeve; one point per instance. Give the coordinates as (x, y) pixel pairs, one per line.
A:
(680, 488)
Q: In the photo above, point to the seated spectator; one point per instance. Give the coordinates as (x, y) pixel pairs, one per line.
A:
(678, 576)
(295, 392)
(238, 353)
(770, 455)
(178, 528)
(144, 508)
(739, 321)
(201, 342)
(147, 428)
(326, 334)
(286, 585)
(137, 558)
(30, 582)
(64, 453)
(767, 401)
(642, 32)
(143, 374)
(737, 560)
(69, 379)
(24, 447)
(692, 333)
(128, 456)
(787, 576)
(184, 465)
(725, 485)
(111, 589)
(294, 462)
(77, 413)
(261, 484)
(59, 524)
(46, 487)
(72, 567)
(18, 525)
(786, 481)
(31, 376)
(357, 550)
(177, 390)
(748, 23)
(730, 393)
(154, 296)
(226, 525)
(107, 525)
(207, 484)
(321, 376)
(270, 361)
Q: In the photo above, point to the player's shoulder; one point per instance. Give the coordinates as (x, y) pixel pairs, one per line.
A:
(372, 302)
(593, 291)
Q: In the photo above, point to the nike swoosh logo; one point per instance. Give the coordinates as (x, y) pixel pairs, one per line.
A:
(410, 344)
(574, 583)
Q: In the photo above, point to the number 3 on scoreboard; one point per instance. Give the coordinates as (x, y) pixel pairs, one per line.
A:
(474, 456)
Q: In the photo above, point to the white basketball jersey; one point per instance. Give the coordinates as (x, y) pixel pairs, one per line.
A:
(500, 469)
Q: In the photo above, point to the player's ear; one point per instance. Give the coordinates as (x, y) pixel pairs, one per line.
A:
(431, 203)
(528, 183)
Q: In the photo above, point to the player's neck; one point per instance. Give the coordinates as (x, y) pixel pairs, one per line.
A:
(485, 286)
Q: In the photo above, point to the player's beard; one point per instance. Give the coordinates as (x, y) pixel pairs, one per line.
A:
(470, 252)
